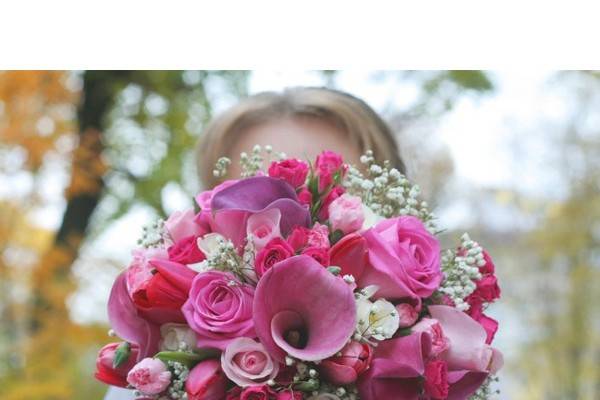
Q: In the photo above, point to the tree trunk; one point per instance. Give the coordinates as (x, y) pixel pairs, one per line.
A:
(50, 327)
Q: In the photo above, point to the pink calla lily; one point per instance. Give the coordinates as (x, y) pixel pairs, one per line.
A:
(303, 310)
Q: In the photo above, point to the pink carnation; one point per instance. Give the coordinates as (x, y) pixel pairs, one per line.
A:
(436, 380)
(149, 376)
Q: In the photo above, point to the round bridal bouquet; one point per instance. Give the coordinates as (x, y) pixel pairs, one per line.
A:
(316, 281)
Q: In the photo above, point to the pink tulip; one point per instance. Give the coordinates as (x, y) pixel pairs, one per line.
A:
(105, 370)
(345, 368)
(206, 381)
(350, 254)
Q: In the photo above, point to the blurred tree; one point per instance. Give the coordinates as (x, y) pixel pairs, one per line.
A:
(561, 358)
(105, 109)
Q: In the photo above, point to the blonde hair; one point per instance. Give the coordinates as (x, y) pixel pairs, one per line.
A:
(363, 125)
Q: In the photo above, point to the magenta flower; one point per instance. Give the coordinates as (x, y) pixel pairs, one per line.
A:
(292, 170)
(404, 259)
(232, 206)
(219, 309)
(303, 310)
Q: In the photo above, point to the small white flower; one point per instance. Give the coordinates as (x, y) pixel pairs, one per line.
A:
(378, 319)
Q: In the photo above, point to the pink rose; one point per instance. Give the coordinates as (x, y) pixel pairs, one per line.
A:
(439, 342)
(346, 214)
(436, 380)
(206, 381)
(333, 194)
(105, 369)
(264, 226)
(292, 170)
(247, 363)
(149, 376)
(276, 250)
(186, 251)
(318, 253)
(257, 393)
(404, 259)
(408, 315)
(219, 309)
(305, 196)
(344, 369)
(327, 165)
(302, 237)
(182, 224)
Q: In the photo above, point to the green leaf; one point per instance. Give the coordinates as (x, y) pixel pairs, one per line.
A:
(122, 354)
(334, 270)
(404, 332)
(335, 236)
(187, 358)
(307, 386)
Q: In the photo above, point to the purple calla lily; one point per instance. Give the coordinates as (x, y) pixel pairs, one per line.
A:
(232, 206)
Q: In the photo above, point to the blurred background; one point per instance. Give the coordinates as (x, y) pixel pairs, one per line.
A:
(87, 158)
